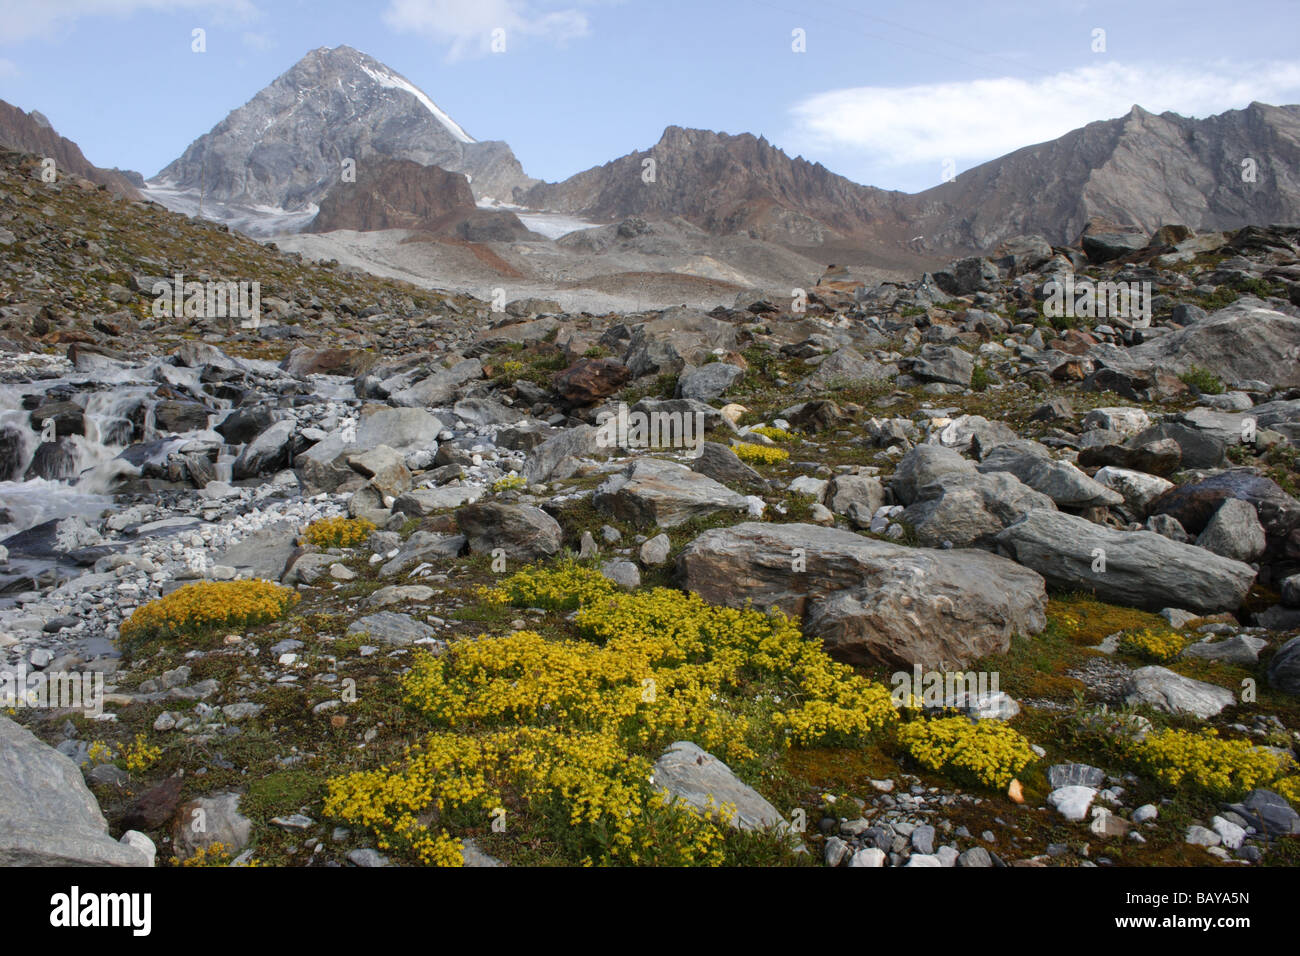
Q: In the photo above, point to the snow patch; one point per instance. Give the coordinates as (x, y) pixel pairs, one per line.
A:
(389, 81)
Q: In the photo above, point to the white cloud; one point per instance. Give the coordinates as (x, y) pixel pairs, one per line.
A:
(259, 42)
(466, 26)
(24, 19)
(979, 120)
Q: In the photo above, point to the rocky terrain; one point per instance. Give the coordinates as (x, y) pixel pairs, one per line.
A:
(934, 477)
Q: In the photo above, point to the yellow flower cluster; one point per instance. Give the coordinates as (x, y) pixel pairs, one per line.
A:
(196, 608)
(985, 751)
(339, 532)
(1159, 646)
(561, 588)
(760, 454)
(508, 483)
(214, 854)
(1225, 768)
(512, 368)
(139, 754)
(1288, 788)
(568, 728)
(776, 434)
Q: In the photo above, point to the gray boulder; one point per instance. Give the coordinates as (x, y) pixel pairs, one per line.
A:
(1061, 481)
(556, 457)
(943, 363)
(524, 532)
(968, 509)
(653, 491)
(1284, 668)
(48, 817)
(707, 382)
(211, 819)
(1134, 568)
(1241, 342)
(923, 465)
(421, 547)
(869, 601)
(267, 452)
(1173, 693)
(390, 627)
(439, 387)
(1234, 532)
(398, 428)
(700, 781)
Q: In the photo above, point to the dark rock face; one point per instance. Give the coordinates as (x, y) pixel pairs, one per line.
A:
(1195, 504)
(395, 194)
(32, 133)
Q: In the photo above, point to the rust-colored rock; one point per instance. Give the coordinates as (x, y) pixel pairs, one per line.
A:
(589, 380)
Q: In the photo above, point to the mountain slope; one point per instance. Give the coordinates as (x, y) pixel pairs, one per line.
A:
(725, 184)
(32, 133)
(285, 147)
(1141, 170)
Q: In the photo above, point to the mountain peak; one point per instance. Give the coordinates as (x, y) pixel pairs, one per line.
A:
(290, 143)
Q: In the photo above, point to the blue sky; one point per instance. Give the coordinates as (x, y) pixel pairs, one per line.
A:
(885, 93)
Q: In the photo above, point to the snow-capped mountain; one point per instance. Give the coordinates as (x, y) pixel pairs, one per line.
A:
(270, 162)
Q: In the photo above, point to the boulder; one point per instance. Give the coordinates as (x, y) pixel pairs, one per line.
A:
(869, 600)
(589, 380)
(1061, 481)
(438, 387)
(923, 465)
(556, 457)
(700, 781)
(1284, 668)
(422, 547)
(269, 451)
(48, 816)
(844, 367)
(207, 820)
(721, 464)
(1234, 532)
(1173, 693)
(653, 491)
(708, 382)
(1242, 342)
(425, 501)
(524, 532)
(1133, 568)
(398, 428)
(391, 627)
(969, 509)
(1137, 488)
(1196, 503)
(943, 363)
(856, 497)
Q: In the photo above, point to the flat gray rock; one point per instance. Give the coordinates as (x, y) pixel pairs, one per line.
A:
(694, 776)
(390, 627)
(1173, 693)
